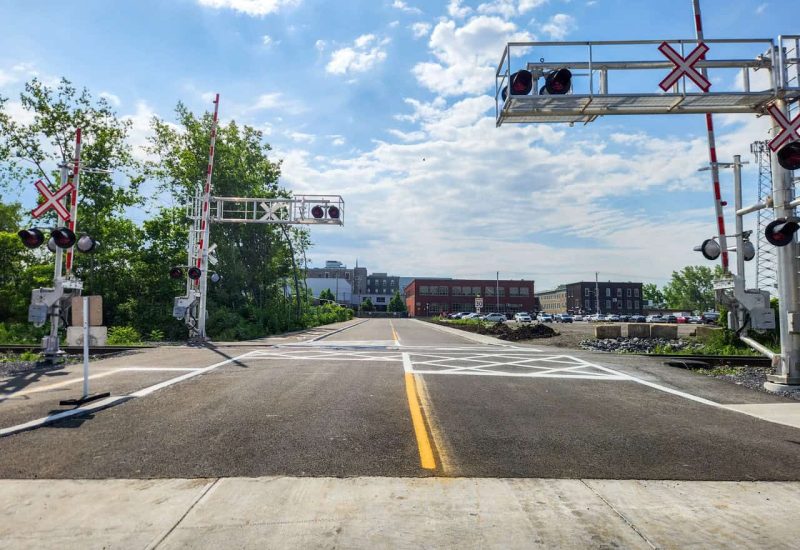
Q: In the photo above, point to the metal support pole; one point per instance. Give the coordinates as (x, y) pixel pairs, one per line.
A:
(51, 347)
(73, 216)
(787, 369)
(85, 347)
(497, 293)
(737, 189)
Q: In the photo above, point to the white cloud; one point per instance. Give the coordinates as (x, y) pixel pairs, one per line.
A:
(277, 101)
(528, 5)
(111, 98)
(504, 8)
(402, 6)
(320, 45)
(301, 137)
(455, 9)
(336, 140)
(255, 8)
(466, 57)
(559, 26)
(761, 8)
(268, 41)
(18, 73)
(420, 29)
(366, 52)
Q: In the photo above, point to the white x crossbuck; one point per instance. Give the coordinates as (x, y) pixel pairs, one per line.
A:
(790, 130)
(52, 200)
(684, 66)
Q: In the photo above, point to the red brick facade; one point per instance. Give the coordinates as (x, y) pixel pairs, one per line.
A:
(429, 297)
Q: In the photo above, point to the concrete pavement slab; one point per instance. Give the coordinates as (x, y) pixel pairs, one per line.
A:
(780, 413)
(675, 514)
(85, 515)
(366, 512)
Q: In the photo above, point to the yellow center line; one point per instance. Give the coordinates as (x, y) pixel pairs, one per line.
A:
(394, 334)
(418, 421)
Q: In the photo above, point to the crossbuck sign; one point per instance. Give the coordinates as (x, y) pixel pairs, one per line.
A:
(52, 200)
(684, 67)
(790, 131)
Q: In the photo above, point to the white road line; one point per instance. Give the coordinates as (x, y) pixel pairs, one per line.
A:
(407, 365)
(115, 399)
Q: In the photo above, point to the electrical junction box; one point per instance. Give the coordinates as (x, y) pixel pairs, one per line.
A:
(794, 322)
(37, 314)
(182, 305)
(762, 318)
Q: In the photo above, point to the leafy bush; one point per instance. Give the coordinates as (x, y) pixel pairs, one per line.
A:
(155, 335)
(123, 335)
(22, 333)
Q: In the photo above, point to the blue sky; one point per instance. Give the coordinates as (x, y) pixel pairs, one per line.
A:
(388, 103)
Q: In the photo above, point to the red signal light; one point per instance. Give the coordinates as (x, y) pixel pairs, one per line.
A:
(317, 212)
(63, 237)
(31, 238)
(194, 273)
(557, 82)
(789, 156)
(521, 84)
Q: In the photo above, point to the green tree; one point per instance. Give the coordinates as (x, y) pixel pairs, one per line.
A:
(650, 292)
(255, 261)
(692, 288)
(33, 146)
(327, 295)
(396, 303)
(366, 305)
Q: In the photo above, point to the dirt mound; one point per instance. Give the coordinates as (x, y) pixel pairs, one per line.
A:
(506, 332)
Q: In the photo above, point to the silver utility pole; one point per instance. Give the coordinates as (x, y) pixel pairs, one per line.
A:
(497, 293)
(788, 371)
(596, 293)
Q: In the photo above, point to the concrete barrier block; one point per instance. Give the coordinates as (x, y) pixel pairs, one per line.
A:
(638, 330)
(607, 331)
(704, 332)
(98, 336)
(664, 331)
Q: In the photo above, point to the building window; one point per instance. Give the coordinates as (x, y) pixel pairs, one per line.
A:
(524, 291)
(629, 293)
(628, 304)
(489, 291)
(442, 291)
(513, 291)
(608, 304)
(619, 293)
(425, 290)
(585, 291)
(636, 304)
(587, 305)
(608, 293)
(636, 293)
(456, 291)
(380, 300)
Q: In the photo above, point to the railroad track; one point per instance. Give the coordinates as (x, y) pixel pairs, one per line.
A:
(697, 361)
(69, 350)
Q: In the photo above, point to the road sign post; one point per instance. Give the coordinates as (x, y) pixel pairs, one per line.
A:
(478, 304)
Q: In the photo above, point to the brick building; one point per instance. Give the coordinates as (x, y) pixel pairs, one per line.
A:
(426, 297)
(614, 297)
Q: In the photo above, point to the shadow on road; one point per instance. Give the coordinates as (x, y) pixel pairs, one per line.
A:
(21, 379)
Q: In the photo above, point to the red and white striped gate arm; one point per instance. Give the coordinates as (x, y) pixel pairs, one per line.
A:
(712, 153)
(76, 174)
(204, 213)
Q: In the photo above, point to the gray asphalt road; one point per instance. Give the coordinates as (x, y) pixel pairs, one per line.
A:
(379, 397)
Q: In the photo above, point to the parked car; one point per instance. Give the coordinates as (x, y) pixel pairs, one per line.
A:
(695, 319)
(682, 318)
(654, 319)
(710, 317)
(563, 318)
(624, 318)
(670, 318)
(638, 319)
(545, 318)
(596, 317)
(577, 318)
(613, 317)
(522, 317)
(495, 318)
(471, 315)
